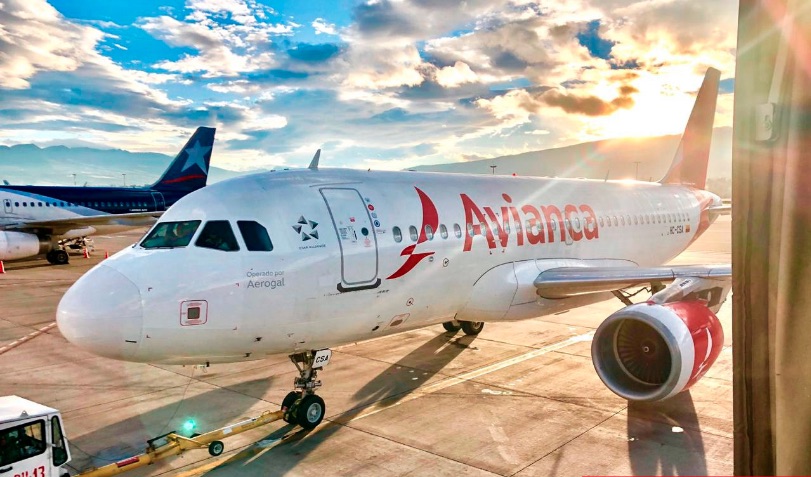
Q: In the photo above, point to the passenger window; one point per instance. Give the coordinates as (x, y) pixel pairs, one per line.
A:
(577, 223)
(429, 232)
(443, 231)
(614, 219)
(171, 234)
(457, 230)
(412, 231)
(255, 236)
(470, 230)
(601, 222)
(398, 234)
(22, 442)
(217, 235)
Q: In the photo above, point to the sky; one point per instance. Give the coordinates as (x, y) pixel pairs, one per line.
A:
(379, 84)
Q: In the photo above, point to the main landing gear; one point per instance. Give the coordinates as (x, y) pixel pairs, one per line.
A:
(57, 256)
(303, 406)
(469, 327)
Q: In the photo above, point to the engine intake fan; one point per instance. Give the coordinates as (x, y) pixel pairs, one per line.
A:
(650, 352)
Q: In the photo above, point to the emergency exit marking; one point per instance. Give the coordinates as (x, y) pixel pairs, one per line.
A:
(193, 312)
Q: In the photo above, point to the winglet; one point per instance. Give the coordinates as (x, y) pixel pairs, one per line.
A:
(314, 163)
(689, 166)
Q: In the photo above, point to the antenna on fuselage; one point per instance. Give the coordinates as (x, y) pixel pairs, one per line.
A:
(606, 175)
(314, 163)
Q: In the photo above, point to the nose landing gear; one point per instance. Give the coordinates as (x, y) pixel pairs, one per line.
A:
(303, 406)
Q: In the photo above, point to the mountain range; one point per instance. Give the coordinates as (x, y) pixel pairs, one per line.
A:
(642, 158)
(628, 158)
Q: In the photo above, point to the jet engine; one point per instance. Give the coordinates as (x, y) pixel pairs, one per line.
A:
(651, 351)
(17, 245)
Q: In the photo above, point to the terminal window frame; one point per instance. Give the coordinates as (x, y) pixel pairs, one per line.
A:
(29, 432)
(217, 235)
(255, 236)
(158, 234)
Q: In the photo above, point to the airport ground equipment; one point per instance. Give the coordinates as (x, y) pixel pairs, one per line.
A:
(32, 443)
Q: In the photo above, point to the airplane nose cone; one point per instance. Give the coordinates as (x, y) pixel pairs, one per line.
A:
(102, 313)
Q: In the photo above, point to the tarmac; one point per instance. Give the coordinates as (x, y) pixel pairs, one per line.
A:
(519, 399)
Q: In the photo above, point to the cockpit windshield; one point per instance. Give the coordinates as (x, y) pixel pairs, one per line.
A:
(171, 234)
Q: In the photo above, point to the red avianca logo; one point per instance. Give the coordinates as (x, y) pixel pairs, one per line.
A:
(528, 224)
(429, 217)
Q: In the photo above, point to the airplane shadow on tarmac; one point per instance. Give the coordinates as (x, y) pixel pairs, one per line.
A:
(130, 435)
(664, 438)
(386, 389)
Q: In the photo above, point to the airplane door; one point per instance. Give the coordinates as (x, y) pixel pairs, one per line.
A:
(7, 206)
(159, 202)
(356, 238)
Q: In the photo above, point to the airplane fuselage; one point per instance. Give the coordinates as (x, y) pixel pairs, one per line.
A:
(358, 255)
(32, 203)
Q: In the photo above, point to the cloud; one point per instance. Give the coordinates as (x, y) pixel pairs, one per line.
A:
(588, 105)
(458, 74)
(241, 44)
(321, 27)
(33, 38)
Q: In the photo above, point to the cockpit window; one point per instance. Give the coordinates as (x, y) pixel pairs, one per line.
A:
(255, 236)
(171, 234)
(217, 234)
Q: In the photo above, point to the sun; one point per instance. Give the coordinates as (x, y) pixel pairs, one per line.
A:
(660, 108)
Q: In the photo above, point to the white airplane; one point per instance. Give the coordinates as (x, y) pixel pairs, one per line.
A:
(38, 220)
(298, 261)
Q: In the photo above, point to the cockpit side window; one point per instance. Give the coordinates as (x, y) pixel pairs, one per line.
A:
(255, 236)
(217, 234)
(171, 234)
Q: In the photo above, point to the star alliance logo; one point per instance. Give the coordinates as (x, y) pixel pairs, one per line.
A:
(302, 224)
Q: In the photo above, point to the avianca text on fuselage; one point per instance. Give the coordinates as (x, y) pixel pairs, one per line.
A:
(533, 225)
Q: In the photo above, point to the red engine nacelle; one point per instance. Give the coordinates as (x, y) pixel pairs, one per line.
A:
(650, 352)
(17, 245)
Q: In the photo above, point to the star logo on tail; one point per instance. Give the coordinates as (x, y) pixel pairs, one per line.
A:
(306, 229)
(196, 155)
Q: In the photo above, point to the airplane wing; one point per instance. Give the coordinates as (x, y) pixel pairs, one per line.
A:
(61, 226)
(566, 282)
(724, 209)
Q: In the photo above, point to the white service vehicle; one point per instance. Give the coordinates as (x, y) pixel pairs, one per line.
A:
(32, 443)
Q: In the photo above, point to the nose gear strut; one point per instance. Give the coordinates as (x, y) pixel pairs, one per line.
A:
(303, 406)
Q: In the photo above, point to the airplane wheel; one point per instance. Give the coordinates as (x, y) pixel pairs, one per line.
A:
(216, 448)
(310, 411)
(472, 327)
(60, 257)
(287, 403)
(452, 326)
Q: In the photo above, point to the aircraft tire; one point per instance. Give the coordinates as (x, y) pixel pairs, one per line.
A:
(216, 448)
(452, 326)
(60, 257)
(287, 403)
(472, 328)
(310, 411)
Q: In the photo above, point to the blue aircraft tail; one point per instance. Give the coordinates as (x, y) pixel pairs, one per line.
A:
(189, 170)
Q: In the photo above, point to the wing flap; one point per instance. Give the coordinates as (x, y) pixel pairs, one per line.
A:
(572, 281)
(61, 226)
